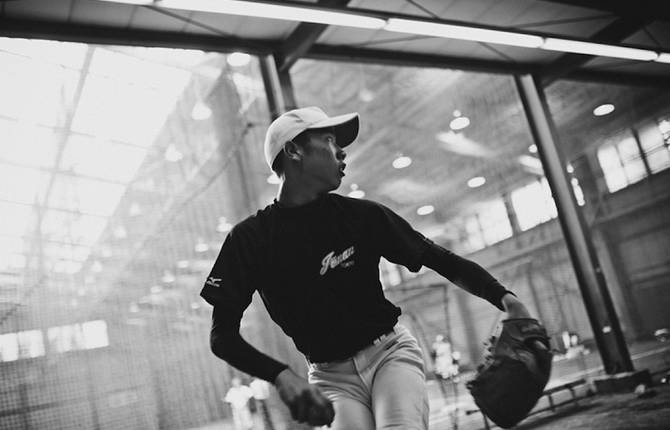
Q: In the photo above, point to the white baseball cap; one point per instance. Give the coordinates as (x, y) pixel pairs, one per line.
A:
(292, 123)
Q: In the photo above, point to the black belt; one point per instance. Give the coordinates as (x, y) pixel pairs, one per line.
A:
(374, 341)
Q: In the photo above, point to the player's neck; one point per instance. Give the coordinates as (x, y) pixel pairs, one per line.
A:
(292, 194)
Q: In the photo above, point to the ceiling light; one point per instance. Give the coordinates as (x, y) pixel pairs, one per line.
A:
(201, 111)
(569, 168)
(224, 226)
(600, 49)
(273, 179)
(459, 123)
(425, 210)
(401, 162)
(365, 95)
(276, 11)
(532, 149)
(603, 109)
(201, 246)
(168, 277)
(183, 264)
(663, 57)
(172, 154)
(459, 144)
(477, 181)
(355, 192)
(462, 32)
(531, 164)
(137, 2)
(238, 59)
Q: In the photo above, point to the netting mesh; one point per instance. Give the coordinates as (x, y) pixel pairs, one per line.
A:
(122, 170)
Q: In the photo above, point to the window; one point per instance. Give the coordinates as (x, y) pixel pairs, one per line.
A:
(655, 143)
(65, 338)
(636, 155)
(9, 347)
(533, 204)
(95, 334)
(622, 163)
(24, 344)
(87, 335)
(490, 224)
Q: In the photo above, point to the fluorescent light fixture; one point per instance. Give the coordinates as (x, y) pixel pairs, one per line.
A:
(425, 210)
(137, 2)
(477, 181)
(599, 49)
(224, 226)
(531, 164)
(201, 246)
(663, 57)
(459, 123)
(355, 192)
(603, 109)
(365, 95)
(238, 59)
(172, 154)
(462, 32)
(532, 149)
(201, 111)
(401, 162)
(276, 11)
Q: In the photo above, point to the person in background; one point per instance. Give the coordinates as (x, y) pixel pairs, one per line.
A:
(261, 392)
(238, 397)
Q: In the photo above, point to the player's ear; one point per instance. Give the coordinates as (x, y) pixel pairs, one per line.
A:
(293, 151)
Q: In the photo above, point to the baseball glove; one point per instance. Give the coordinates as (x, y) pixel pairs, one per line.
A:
(515, 371)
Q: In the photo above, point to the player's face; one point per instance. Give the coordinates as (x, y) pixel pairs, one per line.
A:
(323, 161)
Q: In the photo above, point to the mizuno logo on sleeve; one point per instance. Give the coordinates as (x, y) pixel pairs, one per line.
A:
(214, 282)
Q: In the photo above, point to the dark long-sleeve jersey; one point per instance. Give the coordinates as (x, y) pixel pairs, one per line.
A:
(316, 269)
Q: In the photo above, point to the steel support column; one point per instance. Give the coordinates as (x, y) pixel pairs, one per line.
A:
(278, 87)
(597, 300)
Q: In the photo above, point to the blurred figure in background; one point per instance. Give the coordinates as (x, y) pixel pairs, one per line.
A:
(238, 396)
(261, 392)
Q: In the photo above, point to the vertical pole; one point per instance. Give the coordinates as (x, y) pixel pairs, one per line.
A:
(278, 87)
(640, 149)
(597, 300)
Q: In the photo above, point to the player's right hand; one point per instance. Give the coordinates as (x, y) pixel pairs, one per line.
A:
(305, 401)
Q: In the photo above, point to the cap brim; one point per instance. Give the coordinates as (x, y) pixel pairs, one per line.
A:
(346, 127)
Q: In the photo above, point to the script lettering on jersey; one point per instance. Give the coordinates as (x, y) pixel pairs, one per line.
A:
(331, 261)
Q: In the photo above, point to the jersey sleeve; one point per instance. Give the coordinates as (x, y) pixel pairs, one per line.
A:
(395, 238)
(231, 282)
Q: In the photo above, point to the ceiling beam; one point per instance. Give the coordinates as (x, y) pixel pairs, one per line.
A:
(619, 78)
(639, 8)
(398, 58)
(303, 38)
(133, 37)
(614, 32)
(409, 59)
(96, 34)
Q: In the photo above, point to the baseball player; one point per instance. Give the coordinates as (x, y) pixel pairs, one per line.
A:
(313, 257)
